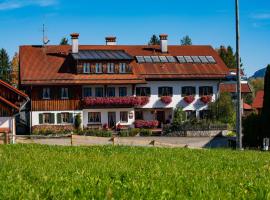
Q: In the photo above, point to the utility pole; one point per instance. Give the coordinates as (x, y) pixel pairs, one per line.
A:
(239, 98)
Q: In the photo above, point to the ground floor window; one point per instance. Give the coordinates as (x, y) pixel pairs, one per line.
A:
(124, 117)
(46, 118)
(139, 115)
(190, 114)
(94, 117)
(204, 114)
(64, 118)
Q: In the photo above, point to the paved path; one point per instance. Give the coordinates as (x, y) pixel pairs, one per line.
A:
(192, 142)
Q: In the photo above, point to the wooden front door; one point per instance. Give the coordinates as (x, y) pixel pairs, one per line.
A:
(160, 118)
(111, 119)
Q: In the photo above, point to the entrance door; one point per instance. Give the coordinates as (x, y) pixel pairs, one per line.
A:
(111, 119)
(160, 118)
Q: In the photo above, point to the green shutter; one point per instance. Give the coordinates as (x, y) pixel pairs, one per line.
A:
(70, 117)
(40, 116)
(58, 118)
(52, 121)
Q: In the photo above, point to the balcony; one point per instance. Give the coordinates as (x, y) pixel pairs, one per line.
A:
(119, 102)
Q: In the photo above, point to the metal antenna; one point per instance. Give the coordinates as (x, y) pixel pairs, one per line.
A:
(239, 98)
(44, 38)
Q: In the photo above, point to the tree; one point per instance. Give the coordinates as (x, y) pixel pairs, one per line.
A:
(252, 136)
(179, 117)
(257, 84)
(154, 40)
(15, 70)
(266, 105)
(4, 66)
(223, 109)
(228, 56)
(185, 41)
(64, 41)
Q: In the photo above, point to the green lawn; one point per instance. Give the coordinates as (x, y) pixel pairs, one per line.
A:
(47, 172)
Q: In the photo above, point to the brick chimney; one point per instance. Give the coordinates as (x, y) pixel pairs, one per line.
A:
(163, 43)
(111, 40)
(75, 42)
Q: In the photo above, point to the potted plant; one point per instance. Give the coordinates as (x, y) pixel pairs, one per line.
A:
(206, 99)
(166, 99)
(189, 99)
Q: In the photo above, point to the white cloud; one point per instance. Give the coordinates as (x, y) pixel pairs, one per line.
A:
(261, 16)
(15, 4)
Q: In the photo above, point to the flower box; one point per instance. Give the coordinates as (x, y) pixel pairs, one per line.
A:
(166, 99)
(189, 99)
(206, 99)
(146, 124)
(115, 101)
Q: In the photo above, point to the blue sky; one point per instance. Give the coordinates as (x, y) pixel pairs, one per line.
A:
(133, 22)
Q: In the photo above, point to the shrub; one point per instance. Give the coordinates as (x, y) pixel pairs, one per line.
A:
(97, 133)
(146, 124)
(189, 99)
(52, 129)
(123, 133)
(145, 132)
(78, 121)
(179, 116)
(252, 133)
(134, 131)
(166, 99)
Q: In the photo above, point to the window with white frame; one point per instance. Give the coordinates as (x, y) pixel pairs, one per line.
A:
(98, 68)
(122, 67)
(65, 118)
(110, 92)
(87, 92)
(165, 91)
(46, 93)
(64, 93)
(110, 67)
(94, 117)
(86, 68)
(124, 117)
(122, 91)
(99, 92)
(205, 90)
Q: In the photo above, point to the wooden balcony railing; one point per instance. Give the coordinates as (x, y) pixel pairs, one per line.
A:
(56, 104)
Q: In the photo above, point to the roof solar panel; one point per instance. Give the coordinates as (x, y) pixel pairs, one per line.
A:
(210, 59)
(148, 59)
(155, 59)
(171, 59)
(188, 59)
(203, 59)
(196, 59)
(181, 59)
(140, 59)
(163, 59)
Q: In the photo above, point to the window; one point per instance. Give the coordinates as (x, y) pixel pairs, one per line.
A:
(204, 114)
(122, 67)
(65, 118)
(165, 91)
(110, 92)
(139, 115)
(122, 91)
(86, 68)
(191, 114)
(64, 93)
(188, 91)
(98, 68)
(46, 94)
(87, 92)
(143, 91)
(110, 67)
(94, 117)
(99, 92)
(46, 118)
(124, 117)
(206, 90)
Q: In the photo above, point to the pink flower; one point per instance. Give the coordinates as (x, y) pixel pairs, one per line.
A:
(206, 99)
(189, 99)
(146, 124)
(166, 99)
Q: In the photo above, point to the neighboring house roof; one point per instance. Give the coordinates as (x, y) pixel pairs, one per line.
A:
(2, 99)
(247, 106)
(52, 65)
(231, 88)
(13, 89)
(258, 101)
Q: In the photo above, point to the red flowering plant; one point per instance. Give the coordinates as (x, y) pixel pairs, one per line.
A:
(189, 99)
(123, 101)
(105, 127)
(166, 99)
(206, 99)
(146, 124)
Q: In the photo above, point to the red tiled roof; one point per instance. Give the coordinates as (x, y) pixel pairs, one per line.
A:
(231, 87)
(49, 65)
(13, 89)
(247, 106)
(258, 101)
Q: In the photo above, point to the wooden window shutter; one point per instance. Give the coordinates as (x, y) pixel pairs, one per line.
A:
(40, 117)
(117, 69)
(70, 117)
(58, 118)
(104, 68)
(71, 93)
(93, 68)
(52, 120)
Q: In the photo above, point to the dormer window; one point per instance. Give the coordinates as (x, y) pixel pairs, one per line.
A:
(86, 68)
(110, 67)
(98, 68)
(122, 68)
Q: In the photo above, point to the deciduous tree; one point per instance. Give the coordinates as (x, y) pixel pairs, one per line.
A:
(15, 70)
(185, 41)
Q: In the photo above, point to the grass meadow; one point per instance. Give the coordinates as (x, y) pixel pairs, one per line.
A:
(117, 172)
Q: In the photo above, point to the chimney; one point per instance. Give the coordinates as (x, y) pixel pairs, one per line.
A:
(110, 40)
(75, 42)
(163, 43)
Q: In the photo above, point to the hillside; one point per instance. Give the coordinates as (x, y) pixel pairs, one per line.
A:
(260, 73)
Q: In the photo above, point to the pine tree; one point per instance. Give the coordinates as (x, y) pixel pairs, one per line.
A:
(228, 56)
(185, 41)
(154, 40)
(64, 41)
(266, 105)
(4, 66)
